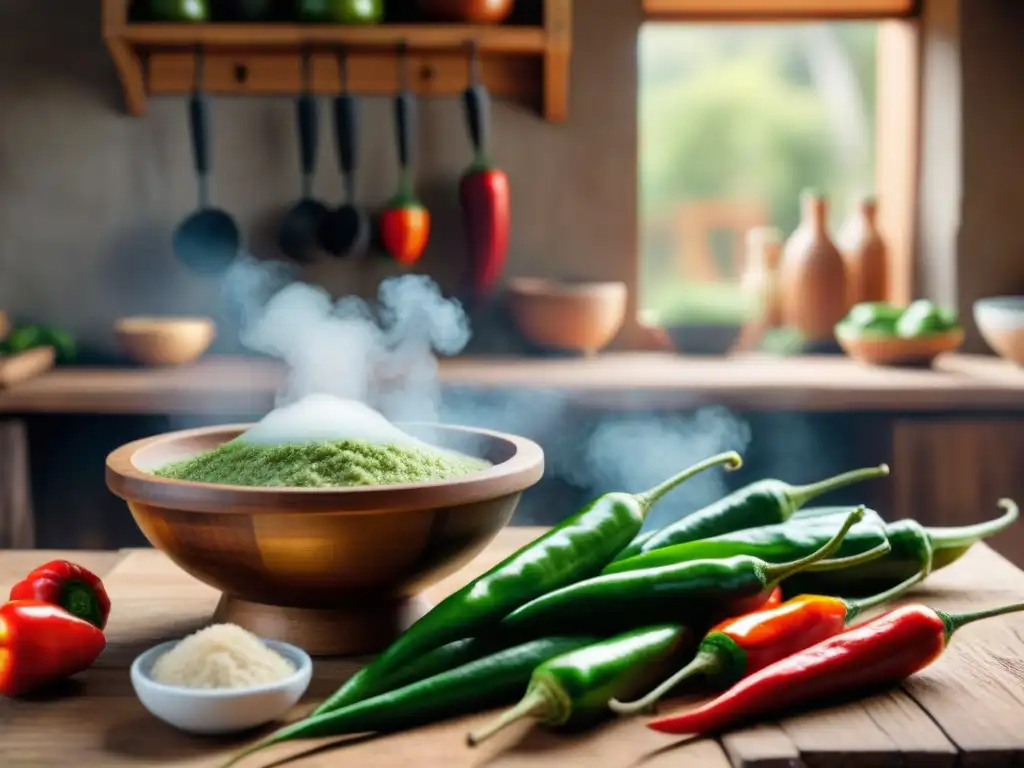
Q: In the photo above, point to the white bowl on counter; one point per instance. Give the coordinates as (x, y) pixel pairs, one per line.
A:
(225, 710)
(1001, 322)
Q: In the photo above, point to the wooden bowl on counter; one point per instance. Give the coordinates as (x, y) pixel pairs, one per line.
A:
(164, 340)
(578, 317)
(897, 351)
(1001, 322)
(333, 571)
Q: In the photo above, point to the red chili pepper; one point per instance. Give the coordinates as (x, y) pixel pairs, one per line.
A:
(484, 194)
(405, 229)
(877, 653)
(741, 646)
(41, 643)
(774, 600)
(72, 587)
(405, 223)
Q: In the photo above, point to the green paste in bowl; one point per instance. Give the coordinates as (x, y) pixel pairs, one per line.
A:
(322, 465)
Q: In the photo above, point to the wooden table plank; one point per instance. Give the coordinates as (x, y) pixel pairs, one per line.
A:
(616, 380)
(975, 695)
(841, 737)
(761, 746)
(16, 564)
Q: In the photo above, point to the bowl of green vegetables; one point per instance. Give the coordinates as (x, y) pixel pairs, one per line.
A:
(882, 333)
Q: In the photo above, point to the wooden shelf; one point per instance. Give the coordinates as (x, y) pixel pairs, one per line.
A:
(528, 64)
(615, 381)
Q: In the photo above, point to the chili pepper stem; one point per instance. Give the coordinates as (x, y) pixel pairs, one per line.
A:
(801, 494)
(856, 607)
(730, 459)
(704, 663)
(943, 538)
(537, 704)
(838, 563)
(954, 621)
(776, 572)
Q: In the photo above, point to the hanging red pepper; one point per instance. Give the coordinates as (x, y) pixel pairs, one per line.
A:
(72, 587)
(877, 653)
(41, 643)
(405, 223)
(483, 192)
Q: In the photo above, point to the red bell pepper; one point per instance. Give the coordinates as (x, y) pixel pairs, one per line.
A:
(72, 587)
(41, 643)
(484, 196)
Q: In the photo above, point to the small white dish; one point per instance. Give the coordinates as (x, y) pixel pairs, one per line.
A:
(224, 710)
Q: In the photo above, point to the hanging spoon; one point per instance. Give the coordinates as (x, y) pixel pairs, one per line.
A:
(345, 231)
(208, 240)
(298, 235)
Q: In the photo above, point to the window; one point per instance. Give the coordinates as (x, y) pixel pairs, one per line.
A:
(737, 117)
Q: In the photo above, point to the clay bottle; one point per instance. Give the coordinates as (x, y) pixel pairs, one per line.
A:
(812, 275)
(865, 255)
(760, 280)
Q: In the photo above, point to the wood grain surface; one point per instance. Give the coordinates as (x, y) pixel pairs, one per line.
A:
(965, 710)
(624, 381)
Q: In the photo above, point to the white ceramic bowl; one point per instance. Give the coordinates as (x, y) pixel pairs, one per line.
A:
(1001, 322)
(220, 711)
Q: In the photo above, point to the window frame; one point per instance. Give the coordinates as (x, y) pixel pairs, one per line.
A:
(898, 113)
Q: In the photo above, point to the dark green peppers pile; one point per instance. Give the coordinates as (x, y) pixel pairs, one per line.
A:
(596, 610)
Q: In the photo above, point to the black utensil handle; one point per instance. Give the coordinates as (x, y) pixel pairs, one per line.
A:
(346, 121)
(308, 113)
(477, 103)
(199, 127)
(405, 127)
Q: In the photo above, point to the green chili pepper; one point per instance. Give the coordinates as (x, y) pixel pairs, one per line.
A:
(762, 503)
(490, 681)
(911, 544)
(708, 588)
(574, 689)
(923, 317)
(772, 543)
(576, 549)
(877, 317)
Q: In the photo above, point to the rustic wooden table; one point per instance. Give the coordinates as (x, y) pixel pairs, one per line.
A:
(966, 710)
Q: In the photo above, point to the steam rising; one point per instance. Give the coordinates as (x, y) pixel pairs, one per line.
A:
(382, 353)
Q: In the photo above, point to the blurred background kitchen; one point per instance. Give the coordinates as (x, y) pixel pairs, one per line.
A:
(697, 196)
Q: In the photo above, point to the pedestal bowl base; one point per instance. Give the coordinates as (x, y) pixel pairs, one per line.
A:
(348, 631)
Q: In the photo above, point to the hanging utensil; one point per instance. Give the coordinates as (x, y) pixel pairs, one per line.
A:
(300, 227)
(405, 222)
(345, 231)
(208, 240)
(483, 192)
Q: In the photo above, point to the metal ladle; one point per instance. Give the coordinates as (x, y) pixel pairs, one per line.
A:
(208, 240)
(298, 235)
(346, 230)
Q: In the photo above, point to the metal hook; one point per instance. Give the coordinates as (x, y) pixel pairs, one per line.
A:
(474, 62)
(343, 67)
(197, 76)
(403, 67)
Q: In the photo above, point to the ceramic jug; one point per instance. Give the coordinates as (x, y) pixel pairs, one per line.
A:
(812, 275)
(865, 255)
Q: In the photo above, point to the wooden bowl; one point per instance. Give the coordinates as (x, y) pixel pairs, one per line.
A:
(334, 571)
(579, 317)
(164, 340)
(1001, 323)
(896, 351)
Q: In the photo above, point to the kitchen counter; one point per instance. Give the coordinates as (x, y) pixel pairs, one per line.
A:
(243, 386)
(966, 709)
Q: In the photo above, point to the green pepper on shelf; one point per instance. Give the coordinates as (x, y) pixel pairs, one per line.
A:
(171, 11)
(923, 318)
(340, 11)
(26, 337)
(873, 317)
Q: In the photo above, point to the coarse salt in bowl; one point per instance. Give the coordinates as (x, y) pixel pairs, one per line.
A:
(220, 710)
